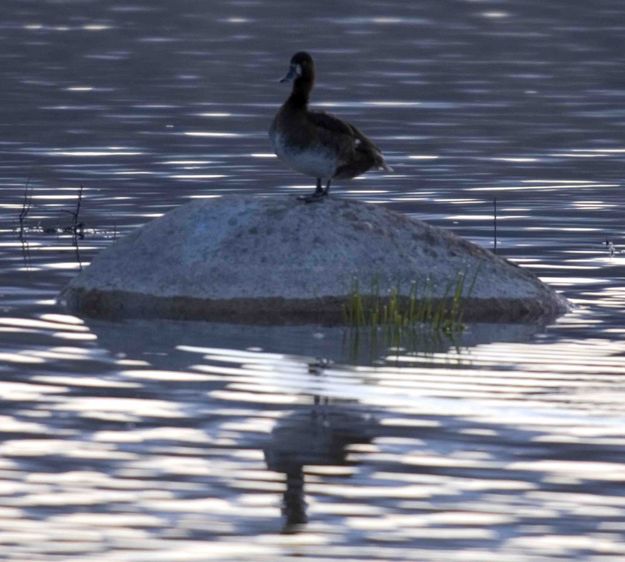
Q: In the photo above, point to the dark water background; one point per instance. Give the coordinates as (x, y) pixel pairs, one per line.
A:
(171, 441)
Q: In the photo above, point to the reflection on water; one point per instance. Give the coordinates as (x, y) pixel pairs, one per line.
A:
(142, 441)
(308, 439)
(146, 432)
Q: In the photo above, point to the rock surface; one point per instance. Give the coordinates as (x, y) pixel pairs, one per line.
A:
(278, 260)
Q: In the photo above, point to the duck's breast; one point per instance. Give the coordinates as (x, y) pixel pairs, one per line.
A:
(301, 149)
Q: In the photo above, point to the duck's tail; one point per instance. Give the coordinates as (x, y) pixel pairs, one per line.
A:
(365, 156)
(384, 166)
(374, 153)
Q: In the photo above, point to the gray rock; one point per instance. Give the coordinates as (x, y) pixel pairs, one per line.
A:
(278, 260)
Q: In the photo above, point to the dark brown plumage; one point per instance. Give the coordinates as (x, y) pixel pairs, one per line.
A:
(317, 143)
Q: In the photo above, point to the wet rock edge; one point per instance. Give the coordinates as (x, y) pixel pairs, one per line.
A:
(117, 305)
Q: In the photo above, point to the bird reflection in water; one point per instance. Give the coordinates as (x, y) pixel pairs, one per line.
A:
(318, 435)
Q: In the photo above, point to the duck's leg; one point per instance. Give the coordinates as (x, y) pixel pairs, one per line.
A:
(316, 196)
(327, 189)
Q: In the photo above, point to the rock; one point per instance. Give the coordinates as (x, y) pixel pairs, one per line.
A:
(278, 260)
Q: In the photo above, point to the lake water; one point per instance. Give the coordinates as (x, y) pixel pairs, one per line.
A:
(146, 441)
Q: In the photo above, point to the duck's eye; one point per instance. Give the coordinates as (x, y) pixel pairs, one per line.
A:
(298, 69)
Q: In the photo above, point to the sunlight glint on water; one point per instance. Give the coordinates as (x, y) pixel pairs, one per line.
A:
(134, 441)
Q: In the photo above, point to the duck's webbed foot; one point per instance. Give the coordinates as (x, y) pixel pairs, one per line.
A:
(313, 197)
(317, 195)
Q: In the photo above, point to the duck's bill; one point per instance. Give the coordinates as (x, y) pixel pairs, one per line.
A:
(290, 75)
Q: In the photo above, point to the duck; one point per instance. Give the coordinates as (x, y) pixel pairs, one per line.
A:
(316, 143)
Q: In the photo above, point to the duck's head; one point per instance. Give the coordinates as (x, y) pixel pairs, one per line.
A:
(301, 68)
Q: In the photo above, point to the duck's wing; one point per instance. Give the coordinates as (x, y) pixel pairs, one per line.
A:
(330, 123)
(332, 129)
(352, 145)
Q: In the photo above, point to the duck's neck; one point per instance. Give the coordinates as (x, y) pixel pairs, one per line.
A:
(301, 92)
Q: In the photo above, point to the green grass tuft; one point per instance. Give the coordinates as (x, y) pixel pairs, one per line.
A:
(416, 309)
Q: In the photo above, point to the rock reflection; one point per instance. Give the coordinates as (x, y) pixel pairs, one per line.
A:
(138, 338)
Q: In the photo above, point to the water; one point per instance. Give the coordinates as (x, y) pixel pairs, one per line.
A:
(139, 441)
